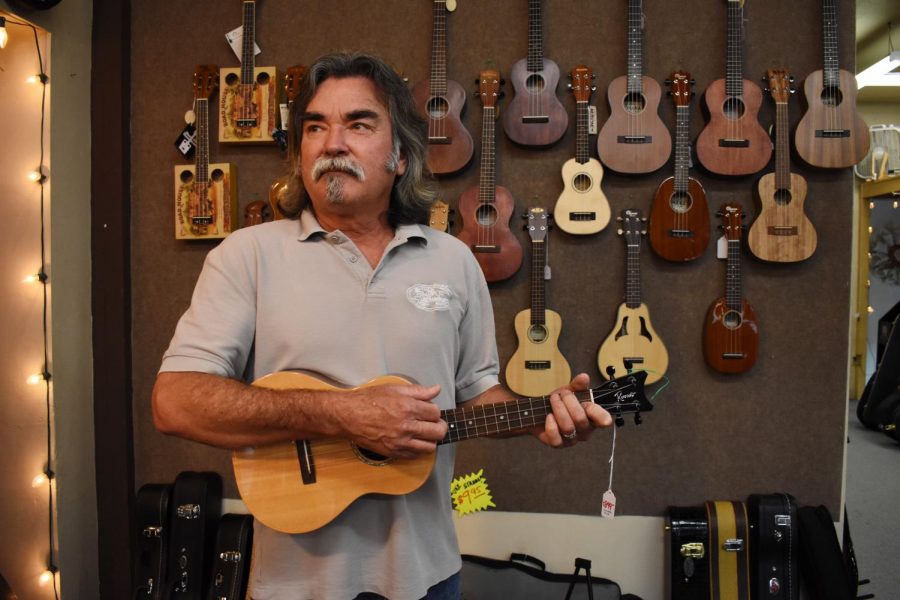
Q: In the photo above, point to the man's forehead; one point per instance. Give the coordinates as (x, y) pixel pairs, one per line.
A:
(351, 95)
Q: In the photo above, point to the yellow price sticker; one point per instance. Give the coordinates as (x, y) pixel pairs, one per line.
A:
(470, 493)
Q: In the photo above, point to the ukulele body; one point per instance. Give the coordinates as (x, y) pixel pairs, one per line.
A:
(634, 340)
(582, 207)
(485, 230)
(634, 117)
(535, 116)
(537, 367)
(730, 337)
(733, 142)
(679, 221)
(782, 232)
(450, 145)
(832, 111)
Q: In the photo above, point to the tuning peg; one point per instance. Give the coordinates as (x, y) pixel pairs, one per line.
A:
(502, 82)
(638, 419)
(719, 213)
(569, 85)
(619, 219)
(593, 88)
(620, 420)
(476, 94)
(668, 82)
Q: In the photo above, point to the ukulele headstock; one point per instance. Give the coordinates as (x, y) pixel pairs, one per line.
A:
(292, 80)
(581, 84)
(489, 83)
(632, 226)
(680, 83)
(537, 224)
(780, 85)
(206, 80)
(732, 215)
(623, 395)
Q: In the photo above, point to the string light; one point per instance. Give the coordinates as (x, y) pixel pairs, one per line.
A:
(48, 576)
(39, 276)
(38, 175)
(38, 377)
(43, 478)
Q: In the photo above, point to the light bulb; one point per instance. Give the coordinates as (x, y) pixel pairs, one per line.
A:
(46, 577)
(4, 36)
(39, 480)
(35, 277)
(37, 175)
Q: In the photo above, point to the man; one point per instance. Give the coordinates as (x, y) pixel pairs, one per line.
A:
(353, 288)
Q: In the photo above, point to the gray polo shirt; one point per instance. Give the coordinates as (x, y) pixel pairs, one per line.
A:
(310, 300)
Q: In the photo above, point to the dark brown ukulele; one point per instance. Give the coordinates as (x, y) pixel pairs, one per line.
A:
(486, 208)
(733, 142)
(292, 80)
(535, 116)
(634, 138)
(831, 134)
(441, 100)
(679, 217)
(731, 332)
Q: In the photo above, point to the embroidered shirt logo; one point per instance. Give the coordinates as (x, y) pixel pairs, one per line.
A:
(430, 297)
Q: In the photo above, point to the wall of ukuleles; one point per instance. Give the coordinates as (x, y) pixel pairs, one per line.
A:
(634, 139)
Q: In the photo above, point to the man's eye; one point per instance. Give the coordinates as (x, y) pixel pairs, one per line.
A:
(361, 126)
(312, 128)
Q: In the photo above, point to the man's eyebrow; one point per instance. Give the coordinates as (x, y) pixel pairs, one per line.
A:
(311, 116)
(362, 113)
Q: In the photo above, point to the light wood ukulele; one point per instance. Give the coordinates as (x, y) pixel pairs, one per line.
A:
(831, 134)
(679, 217)
(300, 486)
(205, 193)
(278, 189)
(537, 367)
(441, 101)
(249, 93)
(634, 139)
(633, 343)
(582, 207)
(782, 232)
(731, 331)
(486, 208)
(733, 142)
(535, 116)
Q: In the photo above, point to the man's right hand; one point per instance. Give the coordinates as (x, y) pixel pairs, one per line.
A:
(394, 420)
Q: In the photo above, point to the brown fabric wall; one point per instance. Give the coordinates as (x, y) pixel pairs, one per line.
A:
(778, 427)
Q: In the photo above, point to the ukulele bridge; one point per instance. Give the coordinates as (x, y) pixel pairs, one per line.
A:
(832, 133)
(635, 139)
(537, 365)
(535, 119)
(440, 140)
(783, 230)
(733, 355)
(486, 248)
(734, 143)
(681, 233)
(582, 216)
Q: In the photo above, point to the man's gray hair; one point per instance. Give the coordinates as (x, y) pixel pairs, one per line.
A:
(413, 192)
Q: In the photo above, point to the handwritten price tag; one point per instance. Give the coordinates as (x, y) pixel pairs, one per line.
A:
(608, 509)
(470, 493)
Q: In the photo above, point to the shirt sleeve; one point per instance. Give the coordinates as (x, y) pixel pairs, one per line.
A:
(478, 367)
(215, 335)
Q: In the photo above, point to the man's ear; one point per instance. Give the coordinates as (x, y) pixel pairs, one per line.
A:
(401, 163)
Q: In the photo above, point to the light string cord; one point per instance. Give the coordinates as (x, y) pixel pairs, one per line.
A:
(42, 275)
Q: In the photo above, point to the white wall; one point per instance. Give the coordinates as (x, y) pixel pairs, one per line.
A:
(23, 555)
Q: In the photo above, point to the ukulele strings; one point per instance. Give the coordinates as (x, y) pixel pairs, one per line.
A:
(534, 62)
(434, 110)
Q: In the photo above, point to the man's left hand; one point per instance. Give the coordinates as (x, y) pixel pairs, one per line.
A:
(571, 420)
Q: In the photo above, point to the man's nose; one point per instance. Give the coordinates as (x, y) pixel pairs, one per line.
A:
(336, 140)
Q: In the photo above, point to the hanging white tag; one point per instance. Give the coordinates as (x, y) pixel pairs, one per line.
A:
(285, 118)
(722, 247)
(609, 505)
(592, 120)
(235, 37)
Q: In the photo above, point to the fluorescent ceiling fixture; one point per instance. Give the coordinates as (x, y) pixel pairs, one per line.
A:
(880, 73)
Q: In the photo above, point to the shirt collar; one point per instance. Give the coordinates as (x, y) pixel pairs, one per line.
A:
(309, 226)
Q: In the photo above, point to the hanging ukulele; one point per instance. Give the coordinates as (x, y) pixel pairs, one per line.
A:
(537, 368)
(292, 80)
(831, 134)
(205, 194)
(679, 217)
(781, 231)
(582, 207)
(441, 100)
(535, 117)
(249, 93)
(633, 343)
(486, 208)
(733, 142)
(634, 138)
(731, 331)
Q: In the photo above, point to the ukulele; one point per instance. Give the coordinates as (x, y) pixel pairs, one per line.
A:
(831, 134)
(205, 194)
(582, 208)
(440, 216)
(733, 142)
(537, 367)
(679, 217)
(781, 231)
(634, 138)
(292, 80)
(633, 343)
(441, 100)
(486, 208)
(300, 486)
(249, 94)
(731, 332)
(535, 117)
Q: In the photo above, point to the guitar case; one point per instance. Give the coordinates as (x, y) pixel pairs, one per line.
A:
(231, 558)
(776, 546)
(152, 539)
(196, 506)
(688, 553)
(729, 550)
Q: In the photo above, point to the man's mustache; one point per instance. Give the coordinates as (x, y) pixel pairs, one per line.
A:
(338, 163)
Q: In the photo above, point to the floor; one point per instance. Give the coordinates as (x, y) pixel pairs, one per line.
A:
(873, 495)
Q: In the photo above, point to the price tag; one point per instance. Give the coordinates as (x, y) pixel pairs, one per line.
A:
(186, 141)
(470, 493)
(722, 247)
(608, 510)
(592, 120)
(235, 38)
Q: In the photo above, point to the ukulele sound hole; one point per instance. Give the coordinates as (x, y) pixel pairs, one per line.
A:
(217, 175)
(537, 333)
(486, 215)
(582, 182)
(782, 197)
(832, 96)
(232, 79)
(733, 108)
(732, 319)
(634, 103)
(262, 79)
(186, 176)
(681, 202)
(535, 84)
(437, 108)
(369, 457)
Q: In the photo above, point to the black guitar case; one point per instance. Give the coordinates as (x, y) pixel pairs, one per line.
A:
(774, 561)
(231, 558)
(152, 520)
(688, 553)
(196, 506)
